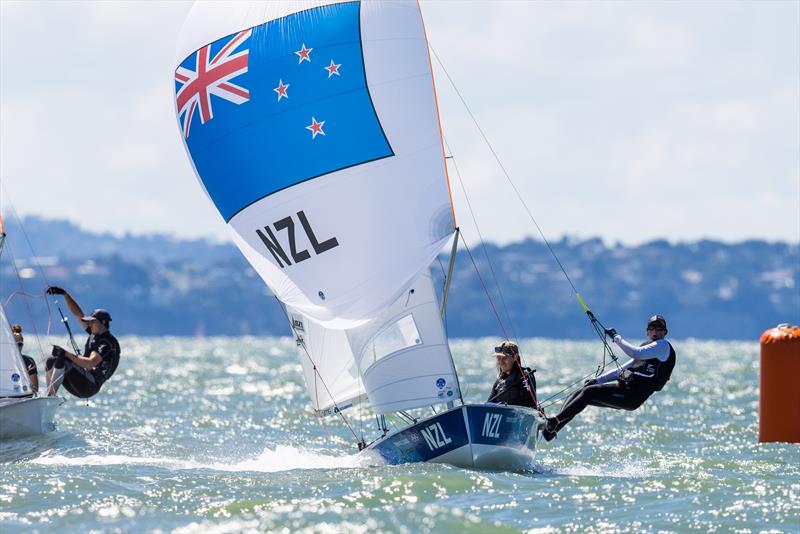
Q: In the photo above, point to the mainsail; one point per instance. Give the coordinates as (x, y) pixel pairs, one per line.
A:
(14, 381)
(313, 128)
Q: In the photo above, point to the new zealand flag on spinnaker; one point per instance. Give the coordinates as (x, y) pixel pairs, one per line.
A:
(278, 104)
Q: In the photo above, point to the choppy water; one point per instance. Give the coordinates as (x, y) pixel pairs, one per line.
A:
(215, 436)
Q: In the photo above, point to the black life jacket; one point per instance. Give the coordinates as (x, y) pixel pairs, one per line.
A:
(652, 372)
(512, 389)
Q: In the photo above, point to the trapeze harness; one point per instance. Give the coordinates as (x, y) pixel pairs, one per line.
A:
(625, 388)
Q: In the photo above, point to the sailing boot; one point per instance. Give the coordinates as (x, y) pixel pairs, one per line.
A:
(549, 431)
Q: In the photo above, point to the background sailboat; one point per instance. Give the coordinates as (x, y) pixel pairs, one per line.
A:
(22, 412)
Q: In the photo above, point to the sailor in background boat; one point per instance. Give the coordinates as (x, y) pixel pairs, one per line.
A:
(30, 363)
(83, 376)
(627, 387)
(511, 387)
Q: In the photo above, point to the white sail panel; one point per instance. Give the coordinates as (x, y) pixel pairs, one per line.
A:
(329, 368)
(314, 130)
(403, 356)
(14, 380)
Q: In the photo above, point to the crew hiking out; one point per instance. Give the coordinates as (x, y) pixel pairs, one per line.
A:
(84, 375)
(629, 386)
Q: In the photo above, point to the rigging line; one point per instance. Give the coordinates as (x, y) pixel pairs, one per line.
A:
(524, 204)
(482, 241)
(552, 399)
(27, 239)
(507, 175)
(483, 284)
(27, 305)
(32, 296)
(35, 258)
(335, 404)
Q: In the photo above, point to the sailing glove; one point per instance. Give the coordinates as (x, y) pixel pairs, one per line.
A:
(58, 352)
(610, 332)
(55, 290)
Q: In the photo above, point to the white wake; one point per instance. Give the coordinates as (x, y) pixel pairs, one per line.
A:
(281, 458)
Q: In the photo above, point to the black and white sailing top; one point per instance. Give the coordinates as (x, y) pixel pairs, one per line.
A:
(652, 363)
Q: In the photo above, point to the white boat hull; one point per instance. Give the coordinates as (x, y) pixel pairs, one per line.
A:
(27, 417)
(479, 436)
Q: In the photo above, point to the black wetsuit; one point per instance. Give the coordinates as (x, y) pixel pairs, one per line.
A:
(510, 388)
(84, 383)
(628, 391)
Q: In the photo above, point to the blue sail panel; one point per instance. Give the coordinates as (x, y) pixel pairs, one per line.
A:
(278, 104)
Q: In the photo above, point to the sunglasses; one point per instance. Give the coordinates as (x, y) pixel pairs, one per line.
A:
(504, 349)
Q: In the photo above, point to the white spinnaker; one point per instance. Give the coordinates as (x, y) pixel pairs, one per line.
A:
(14, 381)
(403, 355)
(390, 216)
(329, 368)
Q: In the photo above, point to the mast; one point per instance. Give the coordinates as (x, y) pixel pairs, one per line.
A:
(449, 272)
(444, 307)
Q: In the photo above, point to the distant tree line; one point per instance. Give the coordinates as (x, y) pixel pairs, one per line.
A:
(156, 285)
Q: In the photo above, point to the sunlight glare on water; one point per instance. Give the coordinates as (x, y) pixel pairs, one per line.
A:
(219, 437)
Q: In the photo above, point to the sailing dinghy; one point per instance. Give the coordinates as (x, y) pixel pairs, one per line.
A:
(313, 127)
(22, 413)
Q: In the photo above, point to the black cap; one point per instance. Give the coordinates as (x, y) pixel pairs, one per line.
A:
(98, 315)
(658, 322)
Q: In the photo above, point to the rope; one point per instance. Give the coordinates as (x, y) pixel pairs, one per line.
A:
(503, 169)
(485, 290)
(316, 374)
(482, 241)
(494, 278)
(594, 321)
(27, 304)
(41, 271)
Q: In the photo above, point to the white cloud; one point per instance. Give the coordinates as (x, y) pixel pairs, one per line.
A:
(627, 120)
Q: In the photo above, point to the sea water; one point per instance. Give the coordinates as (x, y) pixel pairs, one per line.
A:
(216, 435)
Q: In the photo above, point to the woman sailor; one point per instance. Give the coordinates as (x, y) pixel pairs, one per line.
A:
(512, 386)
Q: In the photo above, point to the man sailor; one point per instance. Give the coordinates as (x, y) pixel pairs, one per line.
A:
(627, 387)
(83, 376)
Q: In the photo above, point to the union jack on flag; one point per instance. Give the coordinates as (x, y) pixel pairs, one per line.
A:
(211, 77)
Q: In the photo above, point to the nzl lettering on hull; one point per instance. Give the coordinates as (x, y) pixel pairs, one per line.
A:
(426, 440)
(288, 226)
(495, 425)
(277, 105)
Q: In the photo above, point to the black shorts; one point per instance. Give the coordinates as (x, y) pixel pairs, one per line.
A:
(80, 382)
(77, 380)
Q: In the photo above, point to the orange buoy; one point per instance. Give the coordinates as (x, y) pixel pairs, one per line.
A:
(779, 393)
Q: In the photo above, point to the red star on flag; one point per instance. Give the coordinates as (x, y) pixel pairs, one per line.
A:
(304, 53)
(281, 90)
(315, 127)
(332, 69)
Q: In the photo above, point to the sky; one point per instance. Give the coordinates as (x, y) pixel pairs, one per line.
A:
(628, 121)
